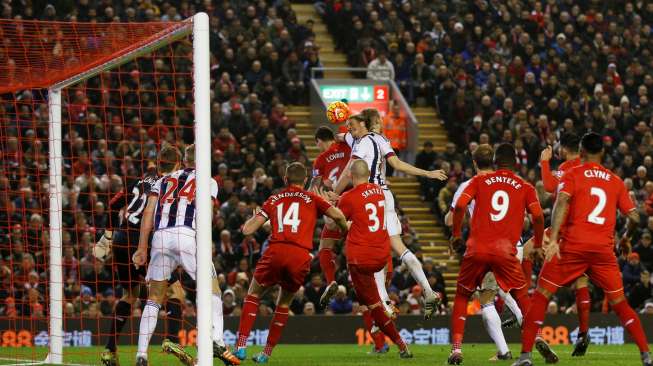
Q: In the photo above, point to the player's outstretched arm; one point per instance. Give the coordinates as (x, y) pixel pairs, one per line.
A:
(339, 218)
(140, 256)
(254, 223)
(404, 167)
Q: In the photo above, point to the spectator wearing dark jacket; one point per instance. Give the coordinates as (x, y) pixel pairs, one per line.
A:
(631, 271)
(641, 291)
(645, 251)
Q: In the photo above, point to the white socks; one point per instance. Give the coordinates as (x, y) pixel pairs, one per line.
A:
(415, 267)
(492, 323)
(379, 278)
(218, 322)
(512, 305)
(148, 323)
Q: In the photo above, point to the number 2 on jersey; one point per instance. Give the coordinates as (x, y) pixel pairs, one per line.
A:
(500, 203)
(290, 218)
(374, 216)
(594, 217)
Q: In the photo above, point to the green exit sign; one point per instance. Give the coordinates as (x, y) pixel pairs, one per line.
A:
(353, 94)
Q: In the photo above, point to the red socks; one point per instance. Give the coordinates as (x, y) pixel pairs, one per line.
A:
(583, 304)
(384, 322)
(328, 264)
(377, 337)
(533, 320)
(247, 318)
(277, 324)
(458, 319)
(631, 322)
(527, 269)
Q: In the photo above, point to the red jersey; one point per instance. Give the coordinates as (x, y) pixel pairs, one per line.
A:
(501, 198)
(368, 241)
(293, 213)
(330, 163)
(552, 179)
(595, 193)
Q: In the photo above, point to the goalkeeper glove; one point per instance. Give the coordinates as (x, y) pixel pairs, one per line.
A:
(102, 249)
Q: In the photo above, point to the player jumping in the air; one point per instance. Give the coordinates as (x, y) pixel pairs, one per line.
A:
(367, 246)
(482, 157)
(376, 151)
(293, 213)
(501, 200)
(582, 242)
(170, 210)
(126, 212)
(327, 168)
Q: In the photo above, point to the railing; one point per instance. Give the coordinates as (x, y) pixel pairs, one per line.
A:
(351, 70)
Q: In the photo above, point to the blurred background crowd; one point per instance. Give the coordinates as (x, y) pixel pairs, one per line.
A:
(514, 71)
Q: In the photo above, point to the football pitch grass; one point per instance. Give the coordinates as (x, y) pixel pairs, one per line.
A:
(323, 355)
(336, 355)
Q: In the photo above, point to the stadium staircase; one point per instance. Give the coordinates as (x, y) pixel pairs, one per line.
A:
(430, 234)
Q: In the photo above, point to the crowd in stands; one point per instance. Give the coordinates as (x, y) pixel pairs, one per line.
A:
(114, 125)
(523, 72)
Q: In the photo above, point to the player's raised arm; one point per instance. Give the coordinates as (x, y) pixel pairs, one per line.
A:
(550, 181)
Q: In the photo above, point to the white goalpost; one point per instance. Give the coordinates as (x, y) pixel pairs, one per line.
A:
(198, 27)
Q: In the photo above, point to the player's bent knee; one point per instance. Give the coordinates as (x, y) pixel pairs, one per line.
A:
(528, 248)
(285, 297)
(157, 291)
(582, 281)
(486, 296)
(327, 244)
(375, 305)
(546, 291)
(615, 297)
(255, 289)
(176, 291)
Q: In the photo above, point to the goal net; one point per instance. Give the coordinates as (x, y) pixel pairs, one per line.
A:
(84, 110)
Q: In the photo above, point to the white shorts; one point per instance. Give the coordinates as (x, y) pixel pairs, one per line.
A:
(392, 223)
(170, 248)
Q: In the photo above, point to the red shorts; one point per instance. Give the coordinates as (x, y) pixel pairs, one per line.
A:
(600, 267)
(284, 265)
(506, 268)
(362, 276)
(330, 234)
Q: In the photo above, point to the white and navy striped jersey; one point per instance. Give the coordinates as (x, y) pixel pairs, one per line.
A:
(456, 196)
(134, 200)
(176, 202)
(349, 139)
(374, 149)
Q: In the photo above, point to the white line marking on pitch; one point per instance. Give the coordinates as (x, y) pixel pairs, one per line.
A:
(24, 362)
